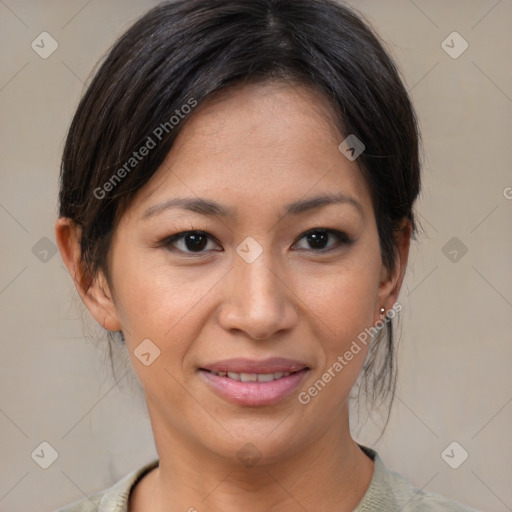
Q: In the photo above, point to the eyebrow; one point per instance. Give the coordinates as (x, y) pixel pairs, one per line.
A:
(210, 208)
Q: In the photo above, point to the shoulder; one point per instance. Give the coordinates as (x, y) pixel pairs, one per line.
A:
(113, 499)
(390, 491)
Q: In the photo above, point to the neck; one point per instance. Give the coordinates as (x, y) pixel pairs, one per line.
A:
(331, 473)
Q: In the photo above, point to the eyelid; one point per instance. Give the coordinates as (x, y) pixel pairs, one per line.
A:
(168, 241)
(343, 239)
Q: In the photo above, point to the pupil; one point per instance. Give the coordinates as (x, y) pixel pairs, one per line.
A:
(195, 241)
(318, 239)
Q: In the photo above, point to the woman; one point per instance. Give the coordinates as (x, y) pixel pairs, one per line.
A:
(236, 203)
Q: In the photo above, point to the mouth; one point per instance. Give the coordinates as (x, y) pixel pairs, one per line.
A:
(251, 377)
(254, 383)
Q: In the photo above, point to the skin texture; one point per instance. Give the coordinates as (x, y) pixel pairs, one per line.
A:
(254, 150)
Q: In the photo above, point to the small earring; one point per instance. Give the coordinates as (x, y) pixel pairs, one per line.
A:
(382, 310)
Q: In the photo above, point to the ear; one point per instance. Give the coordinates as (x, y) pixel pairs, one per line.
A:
(96, 294)
(391, 281)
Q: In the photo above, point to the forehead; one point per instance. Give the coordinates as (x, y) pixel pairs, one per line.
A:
(257, 145)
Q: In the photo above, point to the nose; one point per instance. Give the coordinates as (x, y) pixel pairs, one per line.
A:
(258, 300)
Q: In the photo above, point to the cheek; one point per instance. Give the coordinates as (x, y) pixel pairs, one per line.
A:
(344, 303)
(345, 300)
(161, 303)
(154, 304)
(345, 311)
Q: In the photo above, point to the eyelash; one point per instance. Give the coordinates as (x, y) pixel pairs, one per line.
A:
(342, 237)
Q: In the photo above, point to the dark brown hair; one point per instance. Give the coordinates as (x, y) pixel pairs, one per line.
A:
(183, 52)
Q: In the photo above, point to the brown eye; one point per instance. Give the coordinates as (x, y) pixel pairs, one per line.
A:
(188, 241)
(318, 239)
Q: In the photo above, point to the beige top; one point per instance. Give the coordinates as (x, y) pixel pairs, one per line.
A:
(388, 492)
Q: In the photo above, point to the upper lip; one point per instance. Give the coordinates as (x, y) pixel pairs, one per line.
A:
(270, 365)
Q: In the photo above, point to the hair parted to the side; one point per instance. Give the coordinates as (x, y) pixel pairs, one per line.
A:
(189, 50)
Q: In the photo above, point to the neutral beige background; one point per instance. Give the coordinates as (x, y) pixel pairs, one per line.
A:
(455, 351)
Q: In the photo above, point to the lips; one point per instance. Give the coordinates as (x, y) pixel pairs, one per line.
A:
(266, 366)
(252, 377)
(254, 383)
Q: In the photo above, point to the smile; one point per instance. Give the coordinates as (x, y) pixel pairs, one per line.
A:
(252, 377)
(253, 389)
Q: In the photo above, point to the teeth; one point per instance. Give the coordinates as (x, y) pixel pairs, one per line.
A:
(253, 377)
(248, 377)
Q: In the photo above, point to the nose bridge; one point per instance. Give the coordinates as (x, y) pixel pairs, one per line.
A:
(258, 278)
(258, 302)
(257, 284)
(253, 264)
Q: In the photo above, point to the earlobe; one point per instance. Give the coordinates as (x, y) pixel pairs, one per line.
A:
(95, 294)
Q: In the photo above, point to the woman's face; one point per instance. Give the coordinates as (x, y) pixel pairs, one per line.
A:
(254, 286)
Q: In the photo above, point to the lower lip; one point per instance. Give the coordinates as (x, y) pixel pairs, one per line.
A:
(254, 393)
